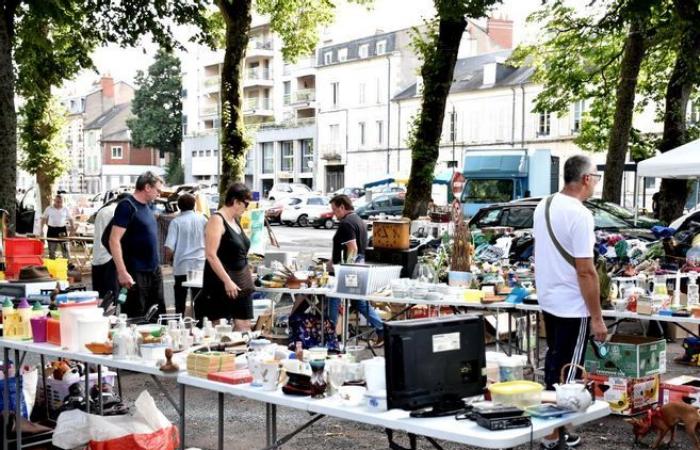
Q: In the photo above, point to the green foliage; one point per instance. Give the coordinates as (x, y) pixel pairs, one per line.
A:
(174, 172)
(41, 122)
(157, 105)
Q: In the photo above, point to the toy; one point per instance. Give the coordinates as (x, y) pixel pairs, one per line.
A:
(664, 419)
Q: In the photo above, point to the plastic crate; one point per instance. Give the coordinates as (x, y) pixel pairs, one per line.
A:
(20, 246)
(57, 390)
(13, 264)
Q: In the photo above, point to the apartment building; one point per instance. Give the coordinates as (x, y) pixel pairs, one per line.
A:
(359, 121)
(278, 108)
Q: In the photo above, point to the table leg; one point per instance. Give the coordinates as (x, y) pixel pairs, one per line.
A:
(87, 388)
(99, 386)
(182, 416)
(271, 424)
(527, 337)
(323, 323)
(43, 382)
(537, 339)
(221, 421)
(346, 322)
(496, 333)
(510, 332)
(18, 401)
(5, 396)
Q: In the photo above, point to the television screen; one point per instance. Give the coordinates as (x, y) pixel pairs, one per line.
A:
(434, 363)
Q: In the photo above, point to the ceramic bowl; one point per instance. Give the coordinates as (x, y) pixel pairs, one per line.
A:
(351, 395)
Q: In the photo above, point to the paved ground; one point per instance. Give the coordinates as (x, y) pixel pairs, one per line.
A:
(245, 419)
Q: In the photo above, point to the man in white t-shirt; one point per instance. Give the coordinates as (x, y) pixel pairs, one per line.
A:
(59, 225)
(566, 277)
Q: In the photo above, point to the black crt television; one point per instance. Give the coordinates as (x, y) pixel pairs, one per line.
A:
(433, 363)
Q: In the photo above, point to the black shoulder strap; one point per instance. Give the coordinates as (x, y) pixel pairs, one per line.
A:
(564, 254)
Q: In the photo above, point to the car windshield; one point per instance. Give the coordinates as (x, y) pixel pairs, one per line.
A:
(301, 187)
(487, 191)
(604, 220)
(613, 208)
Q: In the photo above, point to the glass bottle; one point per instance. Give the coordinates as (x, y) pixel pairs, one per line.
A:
(693, 295)
(318, 380)
(424, 272)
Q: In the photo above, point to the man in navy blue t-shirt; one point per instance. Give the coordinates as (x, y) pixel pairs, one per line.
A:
(134, 246)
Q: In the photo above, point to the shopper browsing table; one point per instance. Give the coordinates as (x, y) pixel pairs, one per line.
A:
(134, 246)
(104, 272)
(59, 224)
(349, 245)
(566, 277)
(228, 282)
(185, 246)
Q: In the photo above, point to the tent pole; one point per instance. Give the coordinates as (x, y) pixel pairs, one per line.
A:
(636, 192)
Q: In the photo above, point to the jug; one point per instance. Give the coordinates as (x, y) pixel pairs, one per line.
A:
(625, 284)
(657, 286)
(574, 396)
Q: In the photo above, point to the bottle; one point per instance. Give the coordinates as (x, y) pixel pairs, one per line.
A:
(24, 313)
(693, 295)
(135, 343)
(121, 341)
(37, 309)
(121, 299)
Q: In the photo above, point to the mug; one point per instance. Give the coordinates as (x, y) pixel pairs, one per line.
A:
(270, 375)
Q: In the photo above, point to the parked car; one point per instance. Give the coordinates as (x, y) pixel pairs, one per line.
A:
(389, 204)
(301, 208)
(519, 216)
(284, 190)
(273, 214)
(352, 192)
(325, 220)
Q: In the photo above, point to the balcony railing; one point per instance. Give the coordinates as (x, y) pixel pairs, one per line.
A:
(303, 63)
(331, 152)
(258, 73)
(256, 103)
(291, 123)
(212, 81)
(208, 110)
(305, 95)
(260, 44)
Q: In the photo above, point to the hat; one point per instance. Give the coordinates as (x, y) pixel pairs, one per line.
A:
(35, 274)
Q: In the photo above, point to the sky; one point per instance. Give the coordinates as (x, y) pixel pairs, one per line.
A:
(353, 22)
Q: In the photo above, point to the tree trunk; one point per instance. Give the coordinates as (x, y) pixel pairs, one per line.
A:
(635, 50)
(437, 73)
(673, 193)
(237, 16)
(45, 186)
(8, 116)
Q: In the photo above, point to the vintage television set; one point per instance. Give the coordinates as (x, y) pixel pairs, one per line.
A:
(432, 364)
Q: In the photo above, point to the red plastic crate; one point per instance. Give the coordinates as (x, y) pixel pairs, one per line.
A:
(20, 246)
(13, 264)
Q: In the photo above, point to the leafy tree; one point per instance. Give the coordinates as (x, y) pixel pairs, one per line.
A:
(89, 22)
(296, 22)
(41, 123)
(438, 48)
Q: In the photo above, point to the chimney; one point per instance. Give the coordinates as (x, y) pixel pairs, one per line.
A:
(107, 85)
(500, 31)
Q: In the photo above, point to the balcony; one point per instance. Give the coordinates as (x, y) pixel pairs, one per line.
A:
(331, 152)
(291, 123)
(209, 110)
(260, 47)
(211, 83)
(304, 66)
(258, 76)
(303, 98)
(257, 106)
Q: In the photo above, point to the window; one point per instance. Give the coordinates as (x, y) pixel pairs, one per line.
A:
(381, 47)
(287, 156)
(649, 183)
(518, 217)
(694, 112)
(578, 113)
(362, 133)
(342, 55)
(453, 126)
(489, 218)
(327, 57)
(201, 153)
(397, 201)
(380, 131)
(363, 51)
(487, 191)
(287, 92)
(208, 153)
(379, 90)
(268, 158)
(117, 153)
(307, 155)
(216, 153)
(335, 93)
(317, 201)
(184, 125)
(334, 131)
(362, 91)
(544, 124)
(381, 202)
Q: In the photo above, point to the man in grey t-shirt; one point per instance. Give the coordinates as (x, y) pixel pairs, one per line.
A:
(185, 245)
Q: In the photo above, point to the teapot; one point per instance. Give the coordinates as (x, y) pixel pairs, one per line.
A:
(574, 396)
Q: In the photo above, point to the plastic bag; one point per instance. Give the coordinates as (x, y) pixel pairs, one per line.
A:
(146, 429)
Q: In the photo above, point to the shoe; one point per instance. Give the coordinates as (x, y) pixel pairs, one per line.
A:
(378, 342)
(553, 446)
(572, 440)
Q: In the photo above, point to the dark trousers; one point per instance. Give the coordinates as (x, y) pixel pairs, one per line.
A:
(567, 339)
(181, 294)
(104, 279)
(147, 291)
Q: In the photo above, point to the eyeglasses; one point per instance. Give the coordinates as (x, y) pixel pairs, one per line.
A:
(596, 175)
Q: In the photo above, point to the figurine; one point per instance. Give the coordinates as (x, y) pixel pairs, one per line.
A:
(169, 365)
(664, 419)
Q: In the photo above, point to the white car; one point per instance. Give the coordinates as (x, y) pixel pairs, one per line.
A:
(284, 190)
(301, 208)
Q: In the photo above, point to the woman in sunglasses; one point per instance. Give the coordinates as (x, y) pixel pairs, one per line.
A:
(227, 285)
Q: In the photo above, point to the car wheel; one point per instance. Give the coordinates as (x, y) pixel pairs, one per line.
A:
(328, 224)
(303, 220)
(272, 199)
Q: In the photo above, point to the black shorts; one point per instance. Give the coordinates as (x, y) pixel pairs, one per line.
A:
(221, 306)
(567, 339)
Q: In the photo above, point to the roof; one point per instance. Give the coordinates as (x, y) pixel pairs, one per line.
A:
(106, 117)
(469, 74)
(120, 135)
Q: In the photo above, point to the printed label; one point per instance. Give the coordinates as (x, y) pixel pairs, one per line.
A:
(445, 342)
(351, 280)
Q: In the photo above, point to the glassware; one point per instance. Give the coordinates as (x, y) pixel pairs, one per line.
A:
(424, 271)
(318, 381)
(693, 295)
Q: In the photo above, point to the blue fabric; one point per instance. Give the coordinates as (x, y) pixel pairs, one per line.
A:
(661, 232)
(140, 241)
(362, 306)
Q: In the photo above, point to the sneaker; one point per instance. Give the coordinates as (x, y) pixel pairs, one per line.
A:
(378, 342)
(552, 446)
(572, 440)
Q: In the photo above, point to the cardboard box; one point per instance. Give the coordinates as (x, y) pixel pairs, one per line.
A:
(629, 356)
(683, 389)
(626, 396)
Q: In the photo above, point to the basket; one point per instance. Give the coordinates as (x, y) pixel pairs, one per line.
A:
(20, 246)
(57, 390)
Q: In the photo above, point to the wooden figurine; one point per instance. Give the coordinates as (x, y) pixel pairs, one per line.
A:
(664, 419)
(169, 365)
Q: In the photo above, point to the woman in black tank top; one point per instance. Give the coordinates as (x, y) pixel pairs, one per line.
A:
(227, 285)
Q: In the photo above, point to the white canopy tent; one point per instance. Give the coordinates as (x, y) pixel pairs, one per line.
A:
(682, 163)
